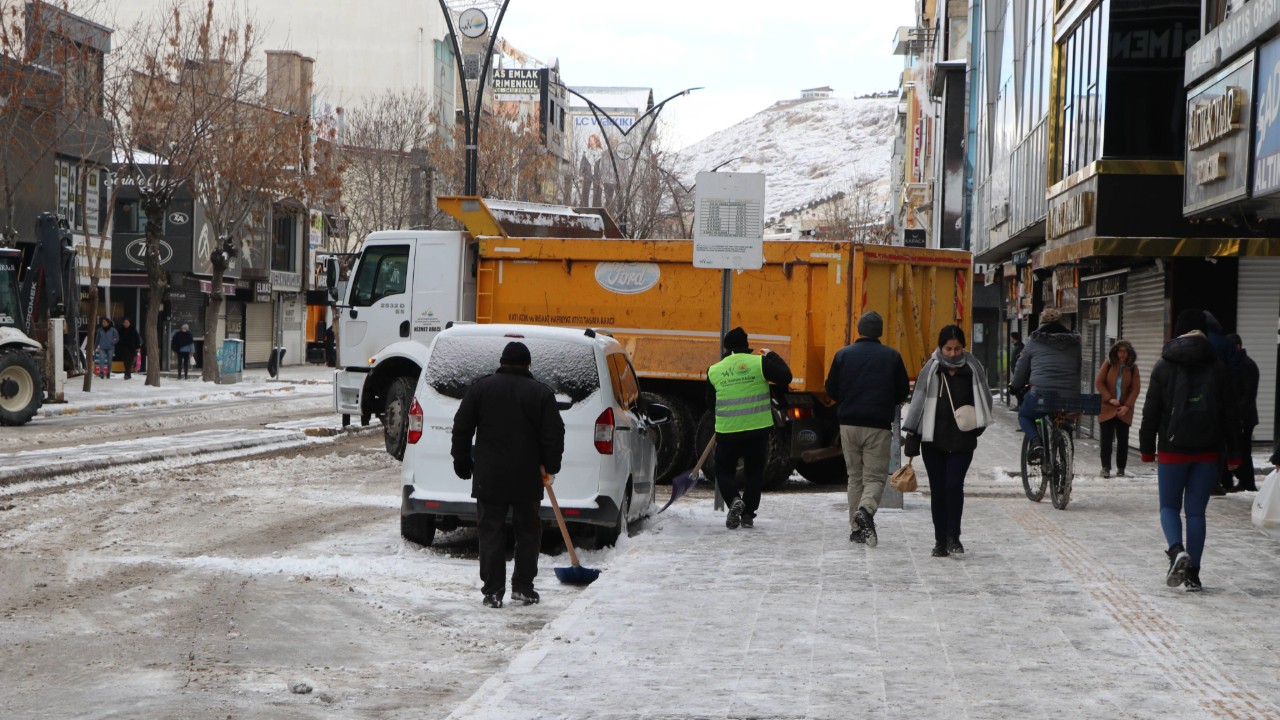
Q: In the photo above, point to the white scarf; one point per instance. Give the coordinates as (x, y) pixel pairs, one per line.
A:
(922, 412)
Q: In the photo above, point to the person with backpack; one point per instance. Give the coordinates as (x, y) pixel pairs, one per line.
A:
(1187, 423)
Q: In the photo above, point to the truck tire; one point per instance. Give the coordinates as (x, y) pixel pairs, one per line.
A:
(675, 439)
(777, 464)
(21, 386)
(824, 472)
(395, 416)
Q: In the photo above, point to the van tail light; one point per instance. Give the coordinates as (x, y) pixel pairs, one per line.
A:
(415, 422)
(604, 432)
(799, 413)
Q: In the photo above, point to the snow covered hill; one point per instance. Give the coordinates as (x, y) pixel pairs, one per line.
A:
(808, 149)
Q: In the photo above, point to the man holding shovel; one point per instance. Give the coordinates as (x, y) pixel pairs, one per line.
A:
(744, 419)
(518, 434)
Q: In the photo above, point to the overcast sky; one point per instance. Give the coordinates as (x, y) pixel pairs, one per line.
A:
(747, 55)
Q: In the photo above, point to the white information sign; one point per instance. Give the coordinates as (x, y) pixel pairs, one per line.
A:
(729, 221)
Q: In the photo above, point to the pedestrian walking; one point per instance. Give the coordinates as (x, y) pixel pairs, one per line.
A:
(1015, 351)
(868, 382)
(1247, 377)
(105, 347)
(518, 436)
(127, 348)
(743, 422)
(183, 344)
(1186, 420)
(1118, 382)
(941, 430)
(1050, 364)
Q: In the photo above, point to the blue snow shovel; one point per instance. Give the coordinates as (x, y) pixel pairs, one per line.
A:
(685, 481)
(576, 574)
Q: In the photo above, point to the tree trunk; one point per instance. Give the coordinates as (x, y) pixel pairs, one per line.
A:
(154, 205)
(219, 259)
(91, 340)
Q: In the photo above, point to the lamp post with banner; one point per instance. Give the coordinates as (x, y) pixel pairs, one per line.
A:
(473, 28)
(624, 149)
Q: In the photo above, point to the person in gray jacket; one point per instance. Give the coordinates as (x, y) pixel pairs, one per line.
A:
(1051, 363)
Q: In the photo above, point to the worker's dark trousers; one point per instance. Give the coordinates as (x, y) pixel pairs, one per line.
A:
(752, 447)
(493, 545)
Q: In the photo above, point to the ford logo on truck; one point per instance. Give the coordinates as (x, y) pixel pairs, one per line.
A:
(627, 278)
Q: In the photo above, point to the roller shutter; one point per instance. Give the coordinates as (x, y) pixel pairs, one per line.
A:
(257, 333)
(1143, 323)
(1257, 315)
(1092, 352)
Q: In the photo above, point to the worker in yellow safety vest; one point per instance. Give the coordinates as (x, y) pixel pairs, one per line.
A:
(744, 420)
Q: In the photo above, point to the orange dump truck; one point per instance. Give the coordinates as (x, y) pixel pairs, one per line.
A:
(803, 304)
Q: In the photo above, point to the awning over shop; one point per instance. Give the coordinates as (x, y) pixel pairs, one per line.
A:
(1156, 247)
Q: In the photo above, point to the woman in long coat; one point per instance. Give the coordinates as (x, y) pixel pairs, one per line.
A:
(1118, 382)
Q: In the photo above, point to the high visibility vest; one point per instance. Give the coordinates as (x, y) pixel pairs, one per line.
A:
(742, 393)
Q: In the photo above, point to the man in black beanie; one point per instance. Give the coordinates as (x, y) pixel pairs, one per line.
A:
(867, 381)
(518, 434)
(744, 419)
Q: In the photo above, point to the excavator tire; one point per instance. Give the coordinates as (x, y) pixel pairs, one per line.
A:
(21, 386)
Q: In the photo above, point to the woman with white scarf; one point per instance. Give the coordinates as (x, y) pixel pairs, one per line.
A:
(950, 407)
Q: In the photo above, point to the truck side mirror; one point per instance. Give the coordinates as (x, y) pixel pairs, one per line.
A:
(331, 277)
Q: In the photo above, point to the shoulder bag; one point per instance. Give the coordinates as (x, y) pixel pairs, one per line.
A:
(966, 415)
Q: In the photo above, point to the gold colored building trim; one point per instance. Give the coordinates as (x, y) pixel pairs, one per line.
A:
(1157, 247)
(1116, 167)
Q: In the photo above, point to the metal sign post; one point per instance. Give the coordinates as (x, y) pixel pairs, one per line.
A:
(728, 234)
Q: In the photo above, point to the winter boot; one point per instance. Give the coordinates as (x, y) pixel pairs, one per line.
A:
(939, 550)
(954, 547)
(1035, 453)
(493, 601)
(734, 519)
(525, 597)
(748, 521)
(867, 526)
(855, 535)
(1193, 580)
(1178, 562)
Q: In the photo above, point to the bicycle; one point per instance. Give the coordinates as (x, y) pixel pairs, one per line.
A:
(1056, 427)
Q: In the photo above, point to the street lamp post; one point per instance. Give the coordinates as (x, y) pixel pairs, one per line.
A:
(597, 111)
(467, 17)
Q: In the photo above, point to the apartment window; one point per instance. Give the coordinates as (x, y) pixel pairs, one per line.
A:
(1080, 87)
(284, 242)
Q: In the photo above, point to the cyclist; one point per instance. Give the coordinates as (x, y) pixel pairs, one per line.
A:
(1051, 362)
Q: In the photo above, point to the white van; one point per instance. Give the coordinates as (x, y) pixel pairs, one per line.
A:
(607, 475)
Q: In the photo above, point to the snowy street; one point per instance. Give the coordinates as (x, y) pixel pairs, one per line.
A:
(267, 579)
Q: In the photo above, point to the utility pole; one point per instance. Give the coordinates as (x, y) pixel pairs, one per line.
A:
(472, 37)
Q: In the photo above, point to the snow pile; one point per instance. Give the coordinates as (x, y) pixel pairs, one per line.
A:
(809, 150)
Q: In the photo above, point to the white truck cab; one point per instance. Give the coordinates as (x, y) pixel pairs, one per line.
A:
(405, 287)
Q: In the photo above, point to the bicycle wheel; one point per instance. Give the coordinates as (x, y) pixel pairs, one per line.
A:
(1063, 472)
(1033, 476)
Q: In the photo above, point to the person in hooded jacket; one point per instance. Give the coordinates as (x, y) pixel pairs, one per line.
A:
(519, 436)
(1188, 466)
(1118, 382)
(183, 343)
(1050, 364)
(951, 378)
(106, 340)
(1247, 378)
(127, 348)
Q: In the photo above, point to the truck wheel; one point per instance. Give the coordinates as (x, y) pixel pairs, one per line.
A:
(418, 528)
(395, 417)
(675, 439)
(777, 464)
(824, 472)
(20, 387)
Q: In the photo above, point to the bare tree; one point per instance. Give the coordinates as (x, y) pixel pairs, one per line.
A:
(185, 72)
(859, 214)
(387, 176)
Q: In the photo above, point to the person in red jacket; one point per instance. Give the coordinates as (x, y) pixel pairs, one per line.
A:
(1190, 409)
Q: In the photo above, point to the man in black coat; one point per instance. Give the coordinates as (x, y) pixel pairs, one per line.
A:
(518, 435)
(867, 381)
(127, 348)
(1246, 376)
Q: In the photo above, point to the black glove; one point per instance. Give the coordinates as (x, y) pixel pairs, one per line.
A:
(911, 447)
(462, 469)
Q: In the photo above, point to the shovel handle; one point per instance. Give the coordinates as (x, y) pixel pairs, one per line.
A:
(564, 530)
(706, 452)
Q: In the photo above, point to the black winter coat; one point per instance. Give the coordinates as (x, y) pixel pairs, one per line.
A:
(1180, 353)
(868, 382)
(129, 343)
(516, 427)
(1247, 377)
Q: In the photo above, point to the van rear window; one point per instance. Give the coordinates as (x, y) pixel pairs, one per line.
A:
(569, 369)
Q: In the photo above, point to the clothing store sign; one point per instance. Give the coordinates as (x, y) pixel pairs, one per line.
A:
(1101, 286)
(1218, 136)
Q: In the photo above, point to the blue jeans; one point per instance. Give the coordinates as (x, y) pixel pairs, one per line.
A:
(1189, 485)
(1027, 414)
